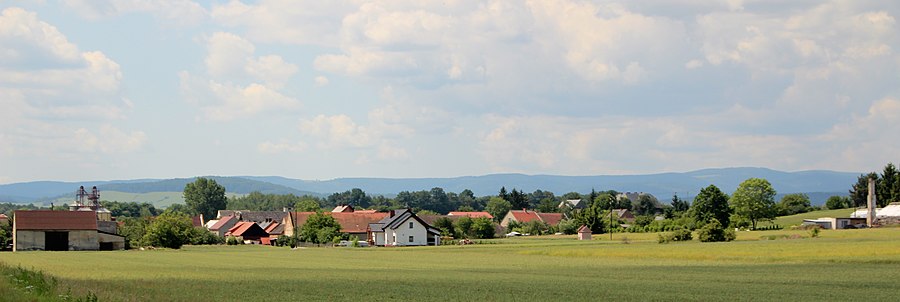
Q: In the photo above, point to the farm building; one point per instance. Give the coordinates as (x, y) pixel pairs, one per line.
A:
(623, 214)
(524, 215)
(248, 231)
(403, 228)
(221, 226)
(4, 219)
(584, 233)
(891, 211)
(832, 223)
(64, 231)
(254, 216)
(472, 214)
(352, 223)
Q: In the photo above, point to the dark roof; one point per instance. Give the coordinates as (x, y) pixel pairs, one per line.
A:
(255, 216)
(56, 220)
(401, 216)
(351, 222)
(197, 220)
(246, 228)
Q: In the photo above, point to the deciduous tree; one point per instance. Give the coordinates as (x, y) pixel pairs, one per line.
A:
(498, 207)
(795, 203)
(711, 204)
(205, 196)
(754, 200)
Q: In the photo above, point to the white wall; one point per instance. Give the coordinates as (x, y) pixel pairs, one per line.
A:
(418, 232)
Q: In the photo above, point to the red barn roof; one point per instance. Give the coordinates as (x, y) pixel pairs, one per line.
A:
(242, 227)
(473, 214)
(526, 216)
(56, 220)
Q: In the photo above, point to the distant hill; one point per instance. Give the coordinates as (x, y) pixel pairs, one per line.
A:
(819, 185)
(47, 191)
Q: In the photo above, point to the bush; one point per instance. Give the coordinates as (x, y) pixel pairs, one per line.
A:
(676, 235)
(231, 240)
(201, 236)
(714, 232)
(814, 232)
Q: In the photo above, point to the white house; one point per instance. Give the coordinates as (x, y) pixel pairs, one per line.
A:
(403, 228)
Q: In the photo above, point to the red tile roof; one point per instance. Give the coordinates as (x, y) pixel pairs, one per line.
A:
(56, 220)
(551, 218)
(473, 214)
(222, 221)
(271, 227)
(526, 216)
(239, 228)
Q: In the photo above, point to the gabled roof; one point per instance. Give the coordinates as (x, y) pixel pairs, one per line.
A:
(525, 215)
(398, 218)
(269, 226)
(572, 203)
(255, 216)
(472, 214)
(246, 227)
(222, 222)
(197, 220)
(342, 209)
(56, 220)
(277, 230)
(351, 222)
(356, 222)
(584, 229)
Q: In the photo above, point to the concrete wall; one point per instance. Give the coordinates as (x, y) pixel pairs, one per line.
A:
(79, 240)
(118, 242)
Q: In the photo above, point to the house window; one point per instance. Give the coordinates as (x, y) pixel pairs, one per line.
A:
(410, 238)
(410, 224)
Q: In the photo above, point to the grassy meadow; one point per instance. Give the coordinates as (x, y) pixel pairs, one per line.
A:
(839, 265)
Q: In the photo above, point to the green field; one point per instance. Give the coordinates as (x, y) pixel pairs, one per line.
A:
(792, 220)
(839, 265)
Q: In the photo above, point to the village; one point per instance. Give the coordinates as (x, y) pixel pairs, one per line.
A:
(87, 226)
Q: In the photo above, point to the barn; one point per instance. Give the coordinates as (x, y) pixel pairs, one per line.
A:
(62, 231)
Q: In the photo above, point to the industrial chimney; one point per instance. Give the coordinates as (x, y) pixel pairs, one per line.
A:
(872, 201)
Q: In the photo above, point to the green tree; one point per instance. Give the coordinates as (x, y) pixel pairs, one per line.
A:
(320, 228)
(307, 205)
(464, 227)
(838, 202)
(886, 186)
(795, 203)
(498, 207)
(680, 205)
(548, 205)
(205, 196)
(711, 204)
(754, 200)
(134, 228)
(715, 232)
(859, 192)
(5, 236)
(645, 205)
(445, 225)
(170, 230)
(482, 228)
(592, 216)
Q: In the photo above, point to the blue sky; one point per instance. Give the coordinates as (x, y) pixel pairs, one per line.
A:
(318, 90)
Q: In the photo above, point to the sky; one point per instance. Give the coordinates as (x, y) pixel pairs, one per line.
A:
(103, 90)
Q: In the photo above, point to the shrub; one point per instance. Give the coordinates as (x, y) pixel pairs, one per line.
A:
(231, 240)
(680, 234)
(814, 232)
(714, 232)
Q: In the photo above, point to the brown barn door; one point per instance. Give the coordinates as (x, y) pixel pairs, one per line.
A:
(56, 241)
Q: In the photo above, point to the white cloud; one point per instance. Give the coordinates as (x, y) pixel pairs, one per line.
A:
(49, 87)
(321, 81)
(226, 102)
(239, 84)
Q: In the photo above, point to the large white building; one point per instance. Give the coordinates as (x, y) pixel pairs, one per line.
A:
(403, 228)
